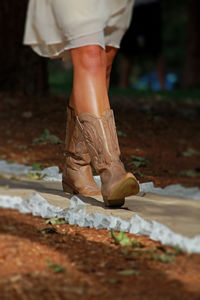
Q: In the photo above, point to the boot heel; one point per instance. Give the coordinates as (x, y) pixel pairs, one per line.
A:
(67, 188)
(114, 203)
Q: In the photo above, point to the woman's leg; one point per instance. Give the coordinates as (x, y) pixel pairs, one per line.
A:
(95, 119)
(103, 69)
(77, 175)
(89, 93)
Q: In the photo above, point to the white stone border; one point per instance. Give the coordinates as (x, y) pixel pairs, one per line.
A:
(76, 215)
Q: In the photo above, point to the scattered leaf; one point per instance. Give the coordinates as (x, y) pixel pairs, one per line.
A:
(55, 267)
(139, 174)
(47, 137)
(120, 133)
(48, 230)
(190, 173)
(190, 152)
(150, 250)
(123, 239)
(163, 258)
(177, 250)
(139, 158)
(125, 252)
(128, 272)
(138, 161)
(135, 243)
(36, 167)
(55, 221)
(21, 147)
(36, 176)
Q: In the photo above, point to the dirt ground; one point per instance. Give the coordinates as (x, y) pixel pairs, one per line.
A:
(159, 142)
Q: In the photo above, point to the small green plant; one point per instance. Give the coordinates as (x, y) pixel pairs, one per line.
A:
(147, 251)
(174, 251)
(135, 243)
(190, 173)
(138, 161)
(165, 258)
(121, 133)
(139, 174)
(177, 250)
(55, 267)
(21, 147)
(190, 152)
(123, 239)
(128, 272)
(47, 137)
(36, 176)
(48, 230)
(55, 221)
(36, 166)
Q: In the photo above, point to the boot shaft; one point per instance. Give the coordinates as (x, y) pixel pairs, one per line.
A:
(75, 148)
(101, 139)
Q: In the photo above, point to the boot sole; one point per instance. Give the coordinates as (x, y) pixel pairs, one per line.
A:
(127, 187)
(68, 189)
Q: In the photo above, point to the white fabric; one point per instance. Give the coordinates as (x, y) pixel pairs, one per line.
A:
(53, 26)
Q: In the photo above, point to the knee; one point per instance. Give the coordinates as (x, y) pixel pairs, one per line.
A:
(91, 58)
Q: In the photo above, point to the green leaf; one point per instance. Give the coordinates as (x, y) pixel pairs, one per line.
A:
(58, 268)
(55, 221)
(120, 236)
(139, 174)
(123, 239)
(139, 158)
(36, 176)
(135, 243)
(163, 258)
(190, 152)
(146, 251)
(137, 164)
(21, 147)
(120, 133)
(48, 230)
(55, 267)
(138, 161)
(47, 137)
(190, 173)
(36, 167)
(128, 272)
(177, 250)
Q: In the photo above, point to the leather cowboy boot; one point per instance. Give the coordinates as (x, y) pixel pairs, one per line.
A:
(101, 140)
(77, 173)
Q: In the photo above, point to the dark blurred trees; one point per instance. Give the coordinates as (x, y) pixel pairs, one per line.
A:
(21, 69)
(191, 75)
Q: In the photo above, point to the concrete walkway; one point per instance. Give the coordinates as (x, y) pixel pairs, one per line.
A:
(180, 215)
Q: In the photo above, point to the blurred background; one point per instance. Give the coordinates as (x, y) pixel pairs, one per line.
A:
(155, 93)
(178, 38)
